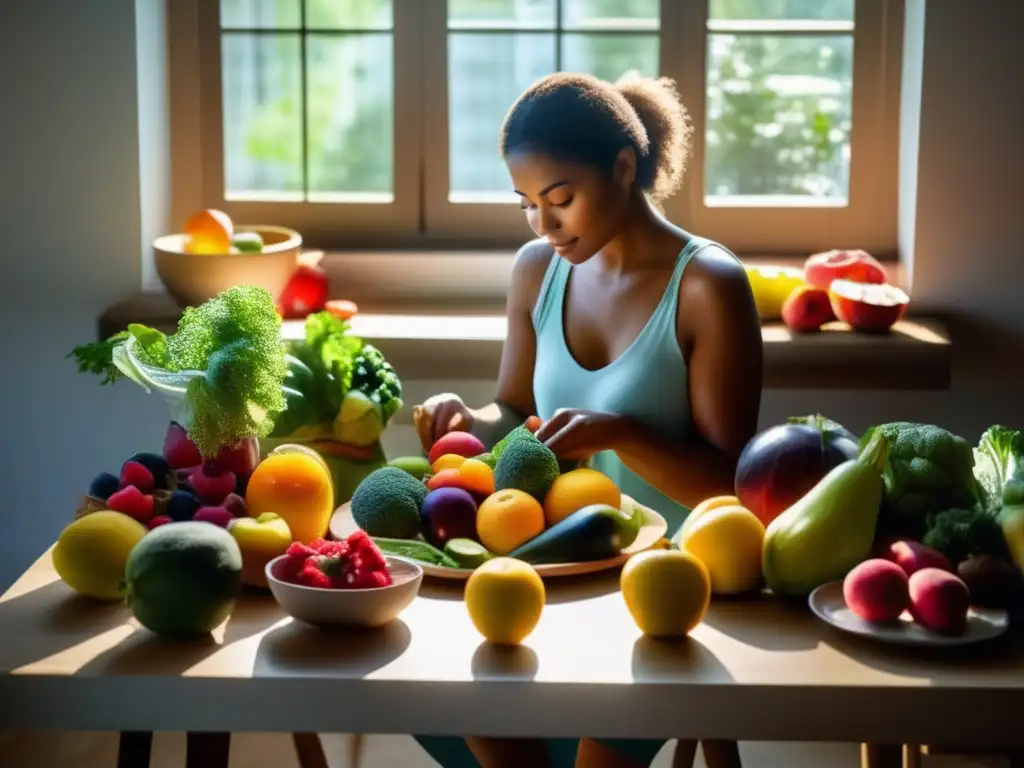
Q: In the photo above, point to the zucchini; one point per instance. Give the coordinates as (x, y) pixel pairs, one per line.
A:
(415, 550)
(596, 532)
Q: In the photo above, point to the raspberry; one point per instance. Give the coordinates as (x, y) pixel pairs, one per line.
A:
(362, 546)
(369, 580)
(330, 548)
(299, 550)
(132, 502)
(133, 473)
(312, 576)
(158, 520)
(212, 489)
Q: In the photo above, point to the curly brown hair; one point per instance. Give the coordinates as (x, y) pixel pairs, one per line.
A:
(579, 118)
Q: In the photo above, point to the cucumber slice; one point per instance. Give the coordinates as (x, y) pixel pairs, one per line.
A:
(467, 553)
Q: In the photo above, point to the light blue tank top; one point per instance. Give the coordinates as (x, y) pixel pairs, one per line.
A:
(648, 382)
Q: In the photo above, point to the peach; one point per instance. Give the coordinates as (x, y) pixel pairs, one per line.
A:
(912, 556)
(877, 590)
(806, 309)
(939, 601)
(821, 269)
(867, 307)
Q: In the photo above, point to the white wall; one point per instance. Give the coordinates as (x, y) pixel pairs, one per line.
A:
(74, 227)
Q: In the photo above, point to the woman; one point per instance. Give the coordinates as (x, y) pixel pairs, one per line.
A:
(636, 343)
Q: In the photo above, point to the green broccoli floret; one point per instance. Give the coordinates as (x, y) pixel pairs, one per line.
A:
(376, 378)
(960, 533)
(930, 470)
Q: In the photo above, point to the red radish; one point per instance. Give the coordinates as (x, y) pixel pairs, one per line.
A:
(306, 292)
(806, 309)
(868, 307)
(857, 265)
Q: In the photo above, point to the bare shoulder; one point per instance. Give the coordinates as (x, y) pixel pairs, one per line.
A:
(528, 270)
(715, 286)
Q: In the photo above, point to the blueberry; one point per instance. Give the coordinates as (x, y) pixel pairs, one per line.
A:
(157, 466)
(182, 506)
(103, 485)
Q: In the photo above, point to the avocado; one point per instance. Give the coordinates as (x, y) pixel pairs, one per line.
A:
(528, 466)
(387, 503)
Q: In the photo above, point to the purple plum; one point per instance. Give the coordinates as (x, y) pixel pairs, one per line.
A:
(448, 513)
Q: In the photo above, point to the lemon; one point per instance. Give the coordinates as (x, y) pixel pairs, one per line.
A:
(505, 598)
(667, 591)
(771, 287)
(91, 553)
(729, 541)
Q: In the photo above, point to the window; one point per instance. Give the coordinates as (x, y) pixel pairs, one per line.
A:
(374, 122)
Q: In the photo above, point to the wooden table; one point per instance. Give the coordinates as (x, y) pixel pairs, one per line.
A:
(755, 669)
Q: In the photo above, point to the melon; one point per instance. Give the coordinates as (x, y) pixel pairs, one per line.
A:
(182, 579)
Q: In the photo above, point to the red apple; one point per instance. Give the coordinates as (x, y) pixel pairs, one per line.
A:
(806, 309)
(306, 292)
(868, 307)
(857, 265)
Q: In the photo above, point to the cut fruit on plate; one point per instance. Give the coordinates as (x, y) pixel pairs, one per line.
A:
(868, 307)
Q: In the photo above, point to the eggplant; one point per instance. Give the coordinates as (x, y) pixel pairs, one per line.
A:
(596, 532)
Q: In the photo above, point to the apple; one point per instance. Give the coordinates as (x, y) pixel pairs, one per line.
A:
(306, 292)
(807, 309)
(867, 307)
(261, 539)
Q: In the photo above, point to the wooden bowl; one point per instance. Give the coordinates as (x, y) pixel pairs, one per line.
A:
(363, 608)
(192, 278)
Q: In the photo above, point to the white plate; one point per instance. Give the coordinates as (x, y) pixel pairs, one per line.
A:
(829, 605)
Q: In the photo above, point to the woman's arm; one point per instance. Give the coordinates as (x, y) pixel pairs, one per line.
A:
(722, 330)
(514, 402)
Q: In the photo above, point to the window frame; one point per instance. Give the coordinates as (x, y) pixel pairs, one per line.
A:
(421, 216)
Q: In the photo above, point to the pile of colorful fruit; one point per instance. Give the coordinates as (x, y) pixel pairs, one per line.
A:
(463, 505)
(851, 286)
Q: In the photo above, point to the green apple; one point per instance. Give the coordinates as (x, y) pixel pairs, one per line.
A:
(261, 539)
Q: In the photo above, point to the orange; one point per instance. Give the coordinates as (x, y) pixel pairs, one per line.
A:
(729, 541)
(577, 489)
(505, 598)
(209, 231)
(507, 519)
(667, 592)
(295, 486)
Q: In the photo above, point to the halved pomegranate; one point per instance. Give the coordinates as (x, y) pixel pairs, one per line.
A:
(857, 265)
(869, 307)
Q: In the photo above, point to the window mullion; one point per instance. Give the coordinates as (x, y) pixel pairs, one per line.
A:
(303, 97)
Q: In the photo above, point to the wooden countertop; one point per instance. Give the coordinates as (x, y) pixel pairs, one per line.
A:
(755, 669)
(423, 342)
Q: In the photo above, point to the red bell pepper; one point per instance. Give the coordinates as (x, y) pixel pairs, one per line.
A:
(856, 265)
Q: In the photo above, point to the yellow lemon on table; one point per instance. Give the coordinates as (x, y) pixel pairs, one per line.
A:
(729, 541)
(576, 489)
(771, 287)
(667, 591)
(505, 598)
(91, 553)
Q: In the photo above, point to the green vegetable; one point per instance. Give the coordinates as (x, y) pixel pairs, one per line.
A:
(999, 466)
(416, 550)
(528, 466)
(227, 354)
(519, 433)
(374, 377)
(930, 470)
(387, 503)
(960, 533)
(596, 532)
(467, 553)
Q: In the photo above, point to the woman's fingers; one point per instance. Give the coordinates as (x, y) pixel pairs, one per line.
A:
(449, 417)
(552, 425)
(422, 419)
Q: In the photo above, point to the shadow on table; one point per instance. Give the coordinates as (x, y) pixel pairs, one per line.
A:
(503, 662)
(765, 622)
(666, 661)
(562, 589)
(300, 649)
(50, 619)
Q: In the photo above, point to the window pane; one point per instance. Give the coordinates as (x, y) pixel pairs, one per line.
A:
(512, 13)
(259, 14)
(350, 113)
(262, 115)
(610, 13)
(778, 117)
(822, 10)
(348, 14)
(487, 72)
(610, 56)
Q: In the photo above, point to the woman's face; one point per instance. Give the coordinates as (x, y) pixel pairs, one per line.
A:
(576, 207)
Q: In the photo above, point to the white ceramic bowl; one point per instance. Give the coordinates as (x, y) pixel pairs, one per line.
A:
(192, 278)
(348, 607)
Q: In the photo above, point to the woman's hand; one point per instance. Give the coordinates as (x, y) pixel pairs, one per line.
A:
(440, 415)
(574, 434)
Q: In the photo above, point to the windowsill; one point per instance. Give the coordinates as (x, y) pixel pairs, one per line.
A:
(455, 328)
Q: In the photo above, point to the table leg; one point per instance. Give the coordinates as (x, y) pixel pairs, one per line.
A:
(309, 750)
(719, 753)
(207, 750)
(685, 754)
(881, 756)
(133, 749)
(911, 756)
